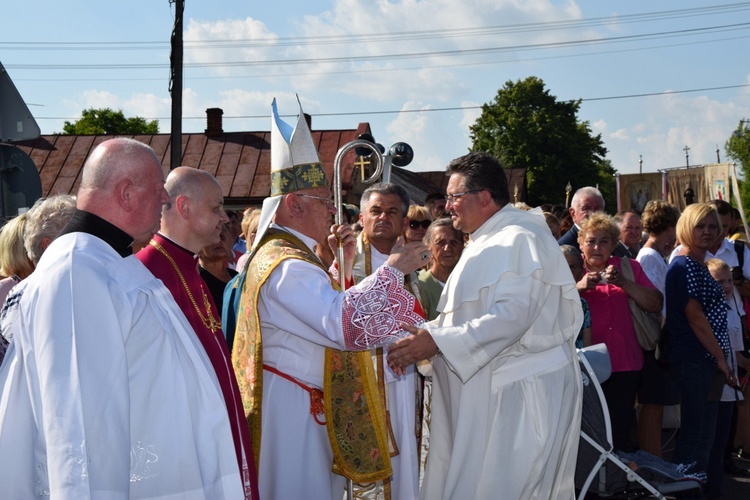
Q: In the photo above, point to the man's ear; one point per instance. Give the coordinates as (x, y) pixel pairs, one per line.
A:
(293, 206)
(182, 204)
(485, 197)
(124, 195)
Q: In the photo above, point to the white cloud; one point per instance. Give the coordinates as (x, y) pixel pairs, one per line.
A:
(258, 38)
(147, 106)
(415, 129)
(338, 67)
(98, 99)
(599, 126)
(621, 134)
(471, 115)
(674, 121)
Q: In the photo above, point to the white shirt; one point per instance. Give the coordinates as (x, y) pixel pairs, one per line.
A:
(106, 390)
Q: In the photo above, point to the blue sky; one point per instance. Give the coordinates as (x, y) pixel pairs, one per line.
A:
(353, 61)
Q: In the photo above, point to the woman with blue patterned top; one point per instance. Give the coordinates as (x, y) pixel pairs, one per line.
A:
(698, 338)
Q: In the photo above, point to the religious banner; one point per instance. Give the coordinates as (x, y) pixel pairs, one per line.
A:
(686, 186)
(635, 190)
(717, 181)
(681, 187)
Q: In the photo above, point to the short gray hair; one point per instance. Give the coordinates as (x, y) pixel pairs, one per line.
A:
(438, 223)
(586, 191)
(571, 251)
(384, 189)
(45, 220)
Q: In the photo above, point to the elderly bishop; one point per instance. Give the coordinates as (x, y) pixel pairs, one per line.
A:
(314, 408)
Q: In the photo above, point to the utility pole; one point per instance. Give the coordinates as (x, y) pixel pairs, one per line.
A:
(175, 84)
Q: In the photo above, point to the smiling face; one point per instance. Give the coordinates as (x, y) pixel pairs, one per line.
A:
(464, 210)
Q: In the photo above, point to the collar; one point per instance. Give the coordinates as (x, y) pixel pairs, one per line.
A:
(184, 257)
(310, 242)
(86, 222)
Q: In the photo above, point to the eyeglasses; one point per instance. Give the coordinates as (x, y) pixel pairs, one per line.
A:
(452, 198)
(327, 201)
(415, 224)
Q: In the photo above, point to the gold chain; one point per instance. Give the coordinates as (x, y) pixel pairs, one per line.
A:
(209, 322)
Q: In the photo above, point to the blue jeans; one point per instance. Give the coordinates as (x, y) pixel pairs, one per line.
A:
(697, 414)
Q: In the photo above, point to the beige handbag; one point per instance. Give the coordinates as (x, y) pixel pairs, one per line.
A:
(647, 326)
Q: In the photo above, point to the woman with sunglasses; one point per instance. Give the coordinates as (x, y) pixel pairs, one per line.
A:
(419, 220)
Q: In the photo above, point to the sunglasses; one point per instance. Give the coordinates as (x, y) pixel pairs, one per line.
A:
(415, 224)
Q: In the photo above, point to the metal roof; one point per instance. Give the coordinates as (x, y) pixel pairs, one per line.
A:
(240, 161)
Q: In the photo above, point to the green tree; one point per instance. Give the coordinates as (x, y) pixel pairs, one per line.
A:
(525, 126)
(106, 121)
(737, 148)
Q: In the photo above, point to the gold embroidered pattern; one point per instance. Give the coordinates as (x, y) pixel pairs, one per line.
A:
(209, 321)
(350, 387)
(304, 176)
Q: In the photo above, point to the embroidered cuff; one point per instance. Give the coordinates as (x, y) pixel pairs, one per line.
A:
(373, 309)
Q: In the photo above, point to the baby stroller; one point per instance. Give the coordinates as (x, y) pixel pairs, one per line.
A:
(600, 470)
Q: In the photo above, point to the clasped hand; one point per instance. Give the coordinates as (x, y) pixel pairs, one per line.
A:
(416, 347)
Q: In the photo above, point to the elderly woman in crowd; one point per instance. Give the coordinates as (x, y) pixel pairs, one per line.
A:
(659, 220)
(446, 244)
(22, 242)
(419, 220)
(698, 337)
(607, 292)
(15, 264)
(46, 219)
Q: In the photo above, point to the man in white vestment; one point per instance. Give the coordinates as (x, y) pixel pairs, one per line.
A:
(383, 215)
(293, 325)
(506, 401)
(106, 392)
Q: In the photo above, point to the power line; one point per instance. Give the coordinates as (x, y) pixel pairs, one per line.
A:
(388, 36)
(434, 110)
(413, 55)
(393, 69)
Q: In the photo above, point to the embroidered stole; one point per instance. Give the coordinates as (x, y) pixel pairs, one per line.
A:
(382, 395)
(356, 427)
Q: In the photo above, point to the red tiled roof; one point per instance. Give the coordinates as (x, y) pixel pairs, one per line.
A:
(239, 160)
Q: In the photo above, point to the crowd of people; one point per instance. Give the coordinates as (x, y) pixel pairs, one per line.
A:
(686, 271)
(156, 345)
